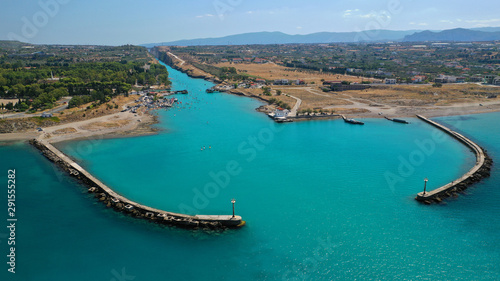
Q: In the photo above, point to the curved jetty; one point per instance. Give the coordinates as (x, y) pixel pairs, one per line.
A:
(479, 171)
(124, 205)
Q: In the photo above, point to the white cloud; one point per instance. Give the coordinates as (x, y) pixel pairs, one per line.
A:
(299, 27)
(356, 13)
(205, 16)
(369, 15)
(348, 13)
(446, 21)
(250, 12)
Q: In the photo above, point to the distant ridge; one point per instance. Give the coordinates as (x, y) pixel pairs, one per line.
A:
(283, 38)
(454, 35)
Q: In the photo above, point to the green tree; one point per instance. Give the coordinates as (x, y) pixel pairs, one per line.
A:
(45, 100)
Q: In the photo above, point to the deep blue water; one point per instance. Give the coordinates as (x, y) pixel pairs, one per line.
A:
(322, 199)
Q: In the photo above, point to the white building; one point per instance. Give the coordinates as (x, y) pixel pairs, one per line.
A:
(281, 113)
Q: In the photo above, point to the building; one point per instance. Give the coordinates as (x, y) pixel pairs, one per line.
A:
(418, 79)
(390, 81)
(281, 82)
(446, 79)
(281, 113)
(477, 79)
(46, 115)
(496, 81)
(490, 78)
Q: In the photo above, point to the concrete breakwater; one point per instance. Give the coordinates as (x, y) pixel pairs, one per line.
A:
(111, 199)
(480, 170)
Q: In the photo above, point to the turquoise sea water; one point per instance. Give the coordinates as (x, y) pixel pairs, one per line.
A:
(323, 200)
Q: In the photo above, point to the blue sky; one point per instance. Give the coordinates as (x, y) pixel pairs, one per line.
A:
(116, 22)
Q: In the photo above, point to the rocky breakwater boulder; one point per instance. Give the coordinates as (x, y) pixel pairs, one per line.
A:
(482, 173)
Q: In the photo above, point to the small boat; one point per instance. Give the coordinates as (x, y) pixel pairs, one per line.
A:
(397, 120)
(352, 121)
(400, 121)
(210, 91)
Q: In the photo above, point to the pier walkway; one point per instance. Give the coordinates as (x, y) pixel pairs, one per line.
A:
(480, 170)
(122, 204)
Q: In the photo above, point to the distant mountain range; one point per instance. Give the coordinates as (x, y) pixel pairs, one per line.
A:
(458, 34)
(453, 35)
(283, 38)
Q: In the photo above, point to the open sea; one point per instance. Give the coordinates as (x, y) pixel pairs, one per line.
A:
(323, 200)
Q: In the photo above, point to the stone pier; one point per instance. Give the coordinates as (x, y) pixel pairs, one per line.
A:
(480, 170)
(112, 199)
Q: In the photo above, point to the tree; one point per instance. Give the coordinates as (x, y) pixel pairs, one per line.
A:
(437, 85)
(9, 106)
(44, 100)
(22, 106)
(266, 91)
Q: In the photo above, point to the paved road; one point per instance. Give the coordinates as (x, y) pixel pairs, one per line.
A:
(181, 60)
(293, 112)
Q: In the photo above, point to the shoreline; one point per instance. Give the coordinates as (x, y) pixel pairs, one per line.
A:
(372, 111)
(430, 111)
(145, 127)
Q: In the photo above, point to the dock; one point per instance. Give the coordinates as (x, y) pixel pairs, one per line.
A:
(121, 204)
(480, 170)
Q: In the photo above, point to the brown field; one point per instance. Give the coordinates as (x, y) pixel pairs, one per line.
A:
(426, 95)
(76, 113)
(105, 125)
(271, 71)
(393, 100)
(64, 131)
(314, 98)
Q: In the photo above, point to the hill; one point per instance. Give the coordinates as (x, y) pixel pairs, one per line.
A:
(283, 38)
(454, 35)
